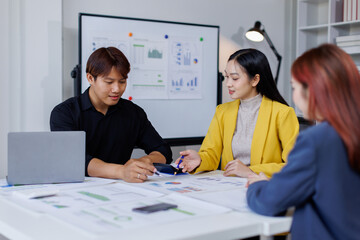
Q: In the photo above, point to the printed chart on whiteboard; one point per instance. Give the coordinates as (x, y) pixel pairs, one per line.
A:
(162, 66)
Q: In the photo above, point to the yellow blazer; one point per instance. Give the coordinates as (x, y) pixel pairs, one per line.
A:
(274, 136)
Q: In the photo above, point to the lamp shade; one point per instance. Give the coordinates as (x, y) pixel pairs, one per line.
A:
(255, 34)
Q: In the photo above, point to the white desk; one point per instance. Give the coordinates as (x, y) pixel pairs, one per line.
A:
(17, 222)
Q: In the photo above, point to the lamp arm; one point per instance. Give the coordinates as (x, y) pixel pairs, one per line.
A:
(278, 70)
(271, 44)
(278, 56)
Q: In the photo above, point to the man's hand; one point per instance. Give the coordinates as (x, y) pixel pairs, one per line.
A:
(134, 170)
(137, 170)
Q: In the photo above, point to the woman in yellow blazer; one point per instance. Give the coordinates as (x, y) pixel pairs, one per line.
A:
(253, 133)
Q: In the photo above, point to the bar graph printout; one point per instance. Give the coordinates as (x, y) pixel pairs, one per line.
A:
(185, 69)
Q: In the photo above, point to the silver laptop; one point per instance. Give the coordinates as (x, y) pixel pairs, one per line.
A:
(46, 157)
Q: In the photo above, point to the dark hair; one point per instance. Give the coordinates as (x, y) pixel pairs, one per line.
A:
(333, 83)
(102, 60)
(255, 62)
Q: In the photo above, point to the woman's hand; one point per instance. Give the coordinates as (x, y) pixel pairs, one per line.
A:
(191, 160)
(237, 168)
(255, 178)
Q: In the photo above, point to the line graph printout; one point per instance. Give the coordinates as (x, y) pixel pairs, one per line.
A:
(149, 73)
(147, 84)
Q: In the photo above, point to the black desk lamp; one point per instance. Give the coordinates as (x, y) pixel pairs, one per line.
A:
(256, 34)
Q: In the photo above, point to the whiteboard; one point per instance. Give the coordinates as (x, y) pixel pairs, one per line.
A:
(174, 70)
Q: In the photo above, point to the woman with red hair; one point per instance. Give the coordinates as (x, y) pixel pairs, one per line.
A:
(322, 177)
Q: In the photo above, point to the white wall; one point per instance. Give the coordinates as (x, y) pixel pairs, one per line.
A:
(5, 72)
(31, 55)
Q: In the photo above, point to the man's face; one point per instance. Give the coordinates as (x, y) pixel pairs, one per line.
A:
(106, 91)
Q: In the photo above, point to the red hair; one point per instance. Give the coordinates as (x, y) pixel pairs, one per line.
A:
(333, 83)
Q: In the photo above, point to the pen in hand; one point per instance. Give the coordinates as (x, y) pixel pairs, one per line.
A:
(178, 166)
(157, 173)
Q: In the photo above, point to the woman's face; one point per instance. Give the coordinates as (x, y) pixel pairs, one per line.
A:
(238, 82)
(300, 97)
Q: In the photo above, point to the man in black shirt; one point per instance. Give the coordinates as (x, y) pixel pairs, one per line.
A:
(113, 126)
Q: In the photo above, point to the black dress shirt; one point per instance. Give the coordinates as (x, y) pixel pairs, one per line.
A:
(111, 137)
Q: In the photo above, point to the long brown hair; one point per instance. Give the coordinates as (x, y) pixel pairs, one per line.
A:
(333, 83)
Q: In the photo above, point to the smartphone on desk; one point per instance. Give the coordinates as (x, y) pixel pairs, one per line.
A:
(154, 208)
(168, 168)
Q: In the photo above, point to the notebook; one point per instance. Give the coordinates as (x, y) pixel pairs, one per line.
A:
(46, 157)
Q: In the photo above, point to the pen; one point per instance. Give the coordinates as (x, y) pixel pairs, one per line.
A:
(157, 173)
(181, 159)
(178, 166)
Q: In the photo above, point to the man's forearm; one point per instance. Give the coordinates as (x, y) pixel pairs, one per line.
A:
(156, 157)
(99, 168)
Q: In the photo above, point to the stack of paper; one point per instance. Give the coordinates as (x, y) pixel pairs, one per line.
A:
(101, 207)
(350, 44)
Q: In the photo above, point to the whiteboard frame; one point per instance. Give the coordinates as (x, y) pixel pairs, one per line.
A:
(177, 141)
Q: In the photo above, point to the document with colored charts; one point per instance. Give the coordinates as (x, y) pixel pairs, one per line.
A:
(193, 184)
(78, 198)
(7, 190)
(117, 216)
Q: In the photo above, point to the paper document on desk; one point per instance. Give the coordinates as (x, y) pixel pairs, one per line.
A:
(234, 198)
(6, 190)
(194, 184)
(117, 216)
(79, 198)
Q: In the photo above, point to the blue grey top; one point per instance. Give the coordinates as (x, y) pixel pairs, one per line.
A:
(319, 182)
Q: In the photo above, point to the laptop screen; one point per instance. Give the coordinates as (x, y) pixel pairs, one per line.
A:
(46, 157)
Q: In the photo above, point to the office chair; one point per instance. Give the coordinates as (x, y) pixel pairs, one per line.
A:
(303, 123)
